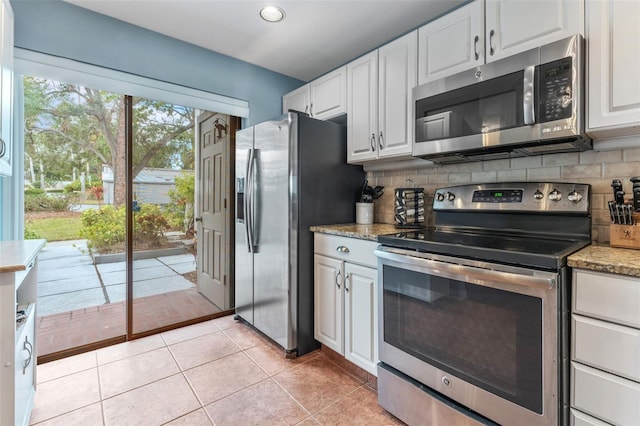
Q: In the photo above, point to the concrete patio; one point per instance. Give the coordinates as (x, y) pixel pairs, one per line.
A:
(68, 280)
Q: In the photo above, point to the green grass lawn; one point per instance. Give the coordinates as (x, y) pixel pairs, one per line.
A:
(54, 228)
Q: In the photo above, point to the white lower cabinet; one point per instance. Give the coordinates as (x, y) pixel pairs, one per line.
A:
(345, 315)
(605, 350)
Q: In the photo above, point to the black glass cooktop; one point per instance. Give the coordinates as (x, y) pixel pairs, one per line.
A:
(527, 250)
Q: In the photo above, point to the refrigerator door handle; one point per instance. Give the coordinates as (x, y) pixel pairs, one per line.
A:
(251, 206)
(246, 202)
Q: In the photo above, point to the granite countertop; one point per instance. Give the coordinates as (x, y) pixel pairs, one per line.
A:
(603, 258)
(363, 232)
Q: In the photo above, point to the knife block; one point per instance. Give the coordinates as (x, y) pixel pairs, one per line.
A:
(625, 236)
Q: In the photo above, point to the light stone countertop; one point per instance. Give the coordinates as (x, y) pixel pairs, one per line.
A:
(352, 230)
(603, 258)
(16, 255)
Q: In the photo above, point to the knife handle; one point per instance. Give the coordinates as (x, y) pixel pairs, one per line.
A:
(636, 197)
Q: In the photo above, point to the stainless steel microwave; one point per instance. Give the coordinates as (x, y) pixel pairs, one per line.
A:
(527, 104)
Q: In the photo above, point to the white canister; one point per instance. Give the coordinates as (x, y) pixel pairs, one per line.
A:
(364, 213)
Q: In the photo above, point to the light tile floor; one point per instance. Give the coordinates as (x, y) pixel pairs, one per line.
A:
(217, 372)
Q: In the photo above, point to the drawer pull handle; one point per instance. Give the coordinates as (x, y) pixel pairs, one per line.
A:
(342, 249)
(29, 348)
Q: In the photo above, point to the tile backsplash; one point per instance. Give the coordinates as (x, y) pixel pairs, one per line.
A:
(596, 168)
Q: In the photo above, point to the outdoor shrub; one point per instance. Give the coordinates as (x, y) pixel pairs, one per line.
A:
(34, 191)
(182, 201)
(150, 224)
(97, 192)
(104, 227)
(47, 203)
(74, 186)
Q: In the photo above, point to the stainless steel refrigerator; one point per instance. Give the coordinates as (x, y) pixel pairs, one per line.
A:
(291, 173)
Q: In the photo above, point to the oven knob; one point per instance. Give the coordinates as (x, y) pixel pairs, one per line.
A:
(451, 196)
(555, 195)
(439, 196)
(574, 197)
(538, 195)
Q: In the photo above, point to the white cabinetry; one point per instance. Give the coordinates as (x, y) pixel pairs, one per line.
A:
(323, 98)
(6, 88)
(485, 31)
(605, 371)
(345, 313)
(379, 106)
(613, 33)
(18, 292)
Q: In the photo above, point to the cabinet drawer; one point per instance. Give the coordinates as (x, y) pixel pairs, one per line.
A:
(610, 297)
(610, 347)
(348, 249)
(604, 395)
(582, 419)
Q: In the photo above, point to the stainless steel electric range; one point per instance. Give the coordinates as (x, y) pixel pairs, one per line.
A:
(474, 311)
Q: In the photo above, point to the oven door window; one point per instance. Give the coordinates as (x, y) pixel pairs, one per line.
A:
(489, 106)
(489, 337)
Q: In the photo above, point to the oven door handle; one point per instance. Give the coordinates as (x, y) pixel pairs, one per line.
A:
(472, 274)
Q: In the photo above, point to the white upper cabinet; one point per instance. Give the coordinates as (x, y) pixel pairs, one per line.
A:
(452, 43)
(613, 67)
(487, 30)
(513, 26)
(297, 100)
(323, 98)
(6, 88)
(362, 104)
(379, 112)
(329, 94)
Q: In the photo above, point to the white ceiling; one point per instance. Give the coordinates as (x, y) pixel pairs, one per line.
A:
(314, 38)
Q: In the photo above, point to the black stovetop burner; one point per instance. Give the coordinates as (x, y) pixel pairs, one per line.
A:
(526, 224)
(520, 250)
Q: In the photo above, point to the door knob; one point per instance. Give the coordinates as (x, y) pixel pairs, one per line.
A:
(198, 219)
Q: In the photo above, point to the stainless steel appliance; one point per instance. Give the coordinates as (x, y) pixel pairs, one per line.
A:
(527, 104)
(474, 311)
(291, 173)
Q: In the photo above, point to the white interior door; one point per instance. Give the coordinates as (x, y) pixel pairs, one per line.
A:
(212, 210)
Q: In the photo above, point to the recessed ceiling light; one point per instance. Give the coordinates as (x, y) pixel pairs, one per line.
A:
(272, 14)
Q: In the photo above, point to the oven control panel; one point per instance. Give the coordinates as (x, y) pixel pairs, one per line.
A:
(558, 197)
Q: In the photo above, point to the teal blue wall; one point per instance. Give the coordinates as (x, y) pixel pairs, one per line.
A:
(61, 29)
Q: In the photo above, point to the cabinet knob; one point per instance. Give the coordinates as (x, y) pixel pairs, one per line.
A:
(342, 249)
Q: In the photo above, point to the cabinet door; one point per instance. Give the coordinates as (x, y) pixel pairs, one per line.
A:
(6, 89)
(397, 69)
(360, 316)
(613, 31)
(362, 108)
(329, 94)
(513, 26)
(452, 43)
(298, 100)
(328, 304)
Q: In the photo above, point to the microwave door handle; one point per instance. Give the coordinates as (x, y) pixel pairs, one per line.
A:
(528, 101)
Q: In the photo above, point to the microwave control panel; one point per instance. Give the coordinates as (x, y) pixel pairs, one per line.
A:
(555, 90)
